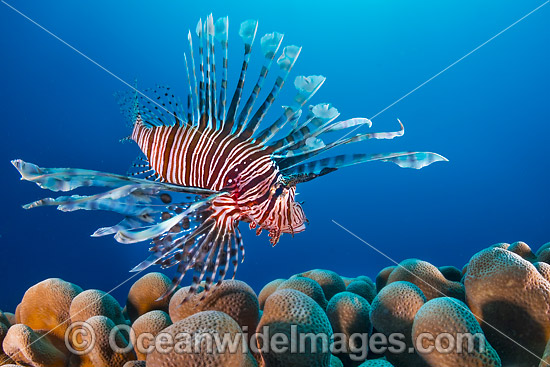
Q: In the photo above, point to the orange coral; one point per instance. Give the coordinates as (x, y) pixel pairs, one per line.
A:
(287, 308)
(153, 322)
(331, 282)
(426, 277)
(145, 293)
(196, 326)
(267, 290)
(450, 319)
(29, 348)
(233, 297)
(509, 293)
(307, 286)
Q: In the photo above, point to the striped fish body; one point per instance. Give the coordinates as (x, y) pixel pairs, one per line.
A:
(205, 158)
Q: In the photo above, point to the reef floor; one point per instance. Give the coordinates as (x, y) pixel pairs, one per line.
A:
(493, 312)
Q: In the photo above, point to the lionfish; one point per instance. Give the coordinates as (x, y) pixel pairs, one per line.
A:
(208, 167)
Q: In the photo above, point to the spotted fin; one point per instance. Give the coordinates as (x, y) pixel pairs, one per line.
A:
(321, 167)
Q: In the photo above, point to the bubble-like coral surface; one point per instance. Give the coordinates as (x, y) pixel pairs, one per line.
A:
(505, 287)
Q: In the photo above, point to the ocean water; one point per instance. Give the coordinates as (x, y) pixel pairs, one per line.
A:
(488, 114)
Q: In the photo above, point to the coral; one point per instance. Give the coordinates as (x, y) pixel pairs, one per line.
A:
(544, 256)
(462, 342)
(46, 305)
(362, 288)
(347, 280)
(29, 348)
(382, 277)
(508, 293)
(523, 250)
(393, 311)
(543, 253)
(335, 361)
(10, 317)
(328, 280)
(307, 286)
(426, 277)
(134, 364)
(367, 280)
(101, 353)
(544, 269)
(4, 359)
(233, 297)
(4, 319)
(376, 363)
(394, 308)
(210, 322)
(145, 293)
(94, 302)
(286, 308)
(267, 290)
(348, 314)
(451, 273)
(153, 322)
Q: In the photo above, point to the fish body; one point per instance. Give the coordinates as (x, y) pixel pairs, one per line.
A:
(209, 166)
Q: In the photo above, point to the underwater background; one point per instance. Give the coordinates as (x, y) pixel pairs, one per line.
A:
(488, 114)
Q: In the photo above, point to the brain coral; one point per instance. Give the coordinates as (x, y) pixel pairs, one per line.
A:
(393, 311)
(102, 354)
(4, 319)
(195, 327)
(507, 292)
(448, 320)
(3, 357)
(134, 364)
(543, 253)
(394, 308)
(328, 280)
(363, 289)
(347, 280)
(523, 250)
(46, 305)
(144, 293)
(233, 297)
(382, 277)
(29, 348)
(267, 290)
(428, 278)
(335, 362)
(451, 273)
(94, 302)
(376, 363)
(348, 314)
(10, 317)
(543, 268)
(307, 286)
(287, 309)
(153, 322)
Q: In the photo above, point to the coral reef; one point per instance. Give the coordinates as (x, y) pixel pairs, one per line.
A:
(233, 297)
(287, 308)
(501, 297)
(145, 293)
(267, 290)
(348, 314)
(307, 286)
(194, 325)
(448, 317)
(328, 280)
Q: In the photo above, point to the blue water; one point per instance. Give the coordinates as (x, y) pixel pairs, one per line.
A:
(489, 115)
